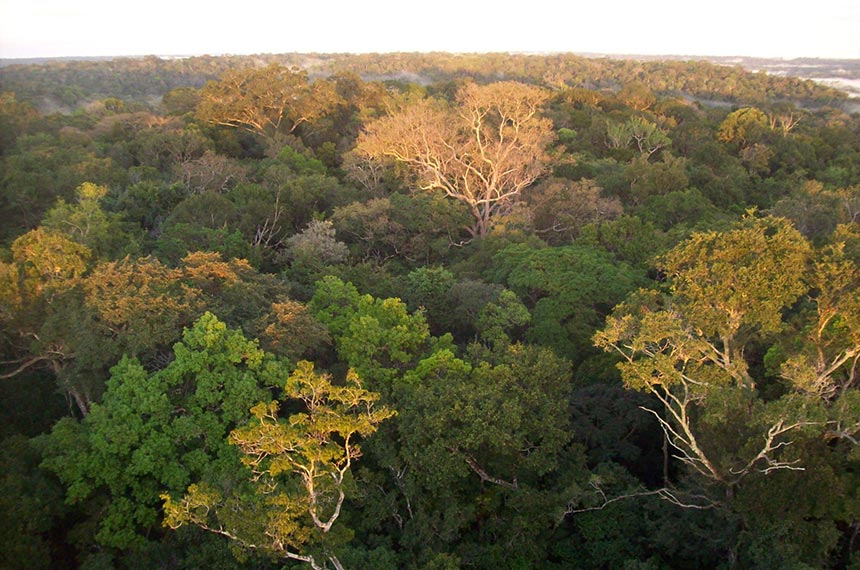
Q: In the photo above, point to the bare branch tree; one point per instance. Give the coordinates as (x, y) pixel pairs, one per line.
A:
(483, 151)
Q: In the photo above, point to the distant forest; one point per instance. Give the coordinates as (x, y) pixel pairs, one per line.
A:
(429, 311)
(66, 84)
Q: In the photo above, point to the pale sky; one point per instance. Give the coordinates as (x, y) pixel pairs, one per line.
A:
(767, 28)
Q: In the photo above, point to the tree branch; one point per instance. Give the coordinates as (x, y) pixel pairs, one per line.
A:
(27, 364)
(664, 493)
(486, 477)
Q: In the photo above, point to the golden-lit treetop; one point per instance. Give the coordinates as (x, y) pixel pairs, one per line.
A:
(268, 101)
(483, 150)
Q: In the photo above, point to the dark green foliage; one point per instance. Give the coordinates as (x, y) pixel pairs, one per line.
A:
(30, 500)
(39, 170)
(481, 432)
(428, 289)
(128, 222)
(569, 289)
(178, 240)
(629, 238)
(147, 202)
(679, 209)
(300, 163)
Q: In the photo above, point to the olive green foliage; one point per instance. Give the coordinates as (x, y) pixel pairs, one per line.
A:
(561, 208)
(639, 349)
(271, 101)
(410, 229)
(728, 296)
(743, 127)
(314, 449)
(316, 246)
(741, 278)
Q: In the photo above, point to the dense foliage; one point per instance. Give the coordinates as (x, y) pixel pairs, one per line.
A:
(427, 311)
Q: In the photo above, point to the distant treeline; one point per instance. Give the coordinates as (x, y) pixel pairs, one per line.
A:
(68, 84)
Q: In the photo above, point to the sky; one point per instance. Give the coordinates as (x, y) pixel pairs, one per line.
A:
(764, 28)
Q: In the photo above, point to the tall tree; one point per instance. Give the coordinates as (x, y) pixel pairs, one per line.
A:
(691, 349)
(378, 338)
(37, 292)
(298, 469)
(484, 150)
(166, 429)
(271, 101)
(570, 288)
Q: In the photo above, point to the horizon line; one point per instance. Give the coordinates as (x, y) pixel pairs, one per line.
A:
(491, 52)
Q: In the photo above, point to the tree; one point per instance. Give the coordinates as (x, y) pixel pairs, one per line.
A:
(498, 318)
(30, 499)
(315, 447)
(43, 168)
(166, 429)
(646, 135)
(690, 349)
(483, 151)
(15, 117)
(628, 238)
(637, 96)
(569, 288)
(209, 172)
(378, 338)
(427, 291)
(559, 208)
(482, 459)
(180, 101)
(743, 127)
(827, 364)
(291, 330)
(649, 179)
(311, 253)
(316, 245)
(752, 358)
(37, 289)
(415, 228)
(271, 101)
(88, 224)
(180, 240)
(301, 191)
(816, 211)
(142, 305)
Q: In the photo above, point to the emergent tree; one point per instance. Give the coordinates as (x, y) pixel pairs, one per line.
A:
(298, 469)
(483, 150)
(691, 349)
(271, 101)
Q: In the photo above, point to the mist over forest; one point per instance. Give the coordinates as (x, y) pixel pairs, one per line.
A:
(431, 311)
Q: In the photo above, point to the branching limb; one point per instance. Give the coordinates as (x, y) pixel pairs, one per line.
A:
(24, 366)
(486, 477)
(700, 502)
(765, 455)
